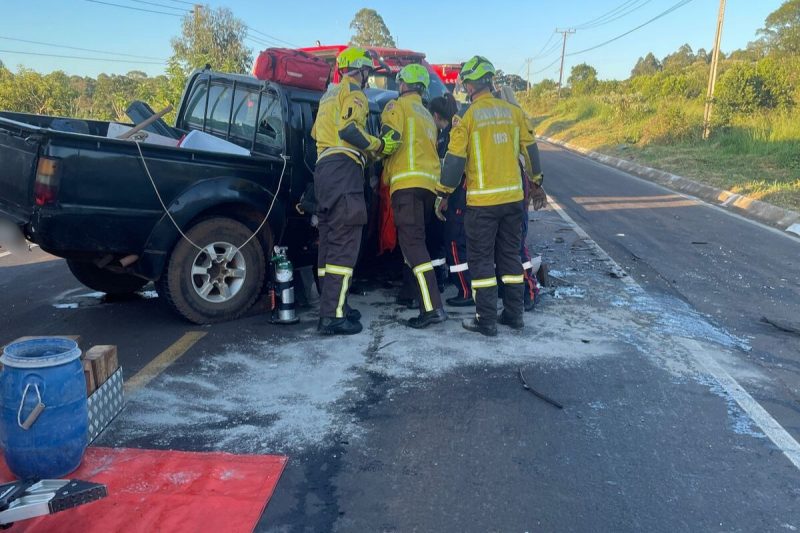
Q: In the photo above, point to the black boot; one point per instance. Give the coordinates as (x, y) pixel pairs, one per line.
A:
(473, 324)
(461, 301)
(338, 326)
(513, 323)
(353, 315)
(424, 320)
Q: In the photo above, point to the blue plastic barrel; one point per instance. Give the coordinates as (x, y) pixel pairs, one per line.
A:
(44, 423)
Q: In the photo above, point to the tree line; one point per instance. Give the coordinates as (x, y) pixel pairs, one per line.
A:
(761, 78)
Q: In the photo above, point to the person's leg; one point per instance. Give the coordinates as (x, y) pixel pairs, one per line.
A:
(408, 206)
(481, 226)
(456, 240)
(509, 235)
(344, 213)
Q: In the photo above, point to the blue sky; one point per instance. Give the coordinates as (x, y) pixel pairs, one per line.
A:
(505, 31)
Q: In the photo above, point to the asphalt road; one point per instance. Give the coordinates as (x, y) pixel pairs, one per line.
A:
(402, 430)
(735, 271)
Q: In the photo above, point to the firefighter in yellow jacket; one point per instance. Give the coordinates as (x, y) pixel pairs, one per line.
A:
(343, 149)
(487, 142)
(412, 172)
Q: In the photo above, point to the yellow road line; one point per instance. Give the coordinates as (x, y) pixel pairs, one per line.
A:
(162, 361)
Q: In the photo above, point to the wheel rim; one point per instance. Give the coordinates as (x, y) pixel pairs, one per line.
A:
(218, 272)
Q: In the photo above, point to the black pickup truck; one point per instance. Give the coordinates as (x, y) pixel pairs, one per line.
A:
(88, 198)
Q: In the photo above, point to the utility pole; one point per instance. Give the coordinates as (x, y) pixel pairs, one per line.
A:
(528, 62)
(712, 77)
(563, 50)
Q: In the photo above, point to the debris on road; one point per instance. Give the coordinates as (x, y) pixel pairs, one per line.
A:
(535, 392)
(783, 325)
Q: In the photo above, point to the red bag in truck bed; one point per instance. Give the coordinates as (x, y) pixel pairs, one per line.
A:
(293, 68)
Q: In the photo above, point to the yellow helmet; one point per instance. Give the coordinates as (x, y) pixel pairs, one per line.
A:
(353, 58)
(413, 74)
(476, 69)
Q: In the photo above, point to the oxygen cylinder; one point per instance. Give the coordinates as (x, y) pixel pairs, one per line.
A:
(284, 310)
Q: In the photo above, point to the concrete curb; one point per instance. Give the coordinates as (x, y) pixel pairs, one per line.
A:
(784, 219)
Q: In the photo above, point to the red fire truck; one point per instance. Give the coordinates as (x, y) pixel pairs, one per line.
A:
(388, 62)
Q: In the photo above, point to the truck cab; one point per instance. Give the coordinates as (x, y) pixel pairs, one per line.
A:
(201, 225)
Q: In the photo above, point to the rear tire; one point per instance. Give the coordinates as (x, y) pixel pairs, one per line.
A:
(219, 283)
(103, 280)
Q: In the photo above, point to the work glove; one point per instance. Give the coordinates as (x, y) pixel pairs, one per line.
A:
(538, 197)
(440, 206)
(390, 144)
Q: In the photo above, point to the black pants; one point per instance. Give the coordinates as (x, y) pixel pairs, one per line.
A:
(494, 234)
(342, 213)
(413, 212)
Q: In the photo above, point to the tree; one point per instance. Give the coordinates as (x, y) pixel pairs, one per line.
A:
(646, 66)
(583, 79)
(679, 59)
(209, 37)
(370, 30)
(512, 80)
(781, 31)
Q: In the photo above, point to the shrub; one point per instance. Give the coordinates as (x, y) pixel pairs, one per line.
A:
(671, 124)
(746, 88)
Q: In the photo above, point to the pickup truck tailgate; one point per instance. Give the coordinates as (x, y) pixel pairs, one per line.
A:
(18, 156)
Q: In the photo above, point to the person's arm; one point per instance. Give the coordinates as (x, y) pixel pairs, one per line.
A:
(455, 160)
(355, 109)
(529, 150)
(392, 122)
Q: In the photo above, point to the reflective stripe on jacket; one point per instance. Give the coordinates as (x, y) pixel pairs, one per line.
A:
(415, 164)
(491, 136)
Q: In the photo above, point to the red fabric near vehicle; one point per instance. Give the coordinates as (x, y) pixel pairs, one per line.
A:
(293, 68)
(387, 239)
(162, 490)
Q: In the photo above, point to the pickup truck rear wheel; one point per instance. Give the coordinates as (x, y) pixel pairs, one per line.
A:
(219, 282)
(103, 280)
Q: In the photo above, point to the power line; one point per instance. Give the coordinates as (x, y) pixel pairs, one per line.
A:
(78, 48)
(555, 46)
(160, 5)
(547, 67)
(662, 14)
(83, 57)
(619, 16)
(183, 2)
(539, 53)
(134, 8)
(272, 37)
(606, 15)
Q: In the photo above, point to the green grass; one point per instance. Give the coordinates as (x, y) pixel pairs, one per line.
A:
(757, 156)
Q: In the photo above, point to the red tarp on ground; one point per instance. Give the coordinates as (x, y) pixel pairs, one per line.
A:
(155, 490)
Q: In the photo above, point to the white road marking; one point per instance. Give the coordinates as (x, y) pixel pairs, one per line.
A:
(794, 228)
(784, 233)
(760, 416)
(4, 254)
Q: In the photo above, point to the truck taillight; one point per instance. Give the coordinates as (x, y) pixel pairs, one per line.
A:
(45, 188)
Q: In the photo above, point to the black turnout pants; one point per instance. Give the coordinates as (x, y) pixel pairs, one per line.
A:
(413, 213)
(494, 234)
(342, 213)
